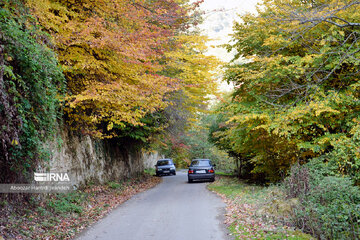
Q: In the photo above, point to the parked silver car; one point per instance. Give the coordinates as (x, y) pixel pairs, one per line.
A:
(165, 167)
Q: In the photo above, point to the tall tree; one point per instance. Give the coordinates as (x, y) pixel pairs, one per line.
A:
(127, 60)
(110, 52)
(296, 92)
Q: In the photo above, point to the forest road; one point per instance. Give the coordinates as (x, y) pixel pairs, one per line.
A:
(174, 210)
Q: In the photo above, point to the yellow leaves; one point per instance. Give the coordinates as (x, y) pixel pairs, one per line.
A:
(113, 54)
(110, 126)
(324, 109)
(14, 142)
(275, 42)
(249, 118)
(324, 140)
(299, 87)
(309, 58)
(195, 71)
(119, 102)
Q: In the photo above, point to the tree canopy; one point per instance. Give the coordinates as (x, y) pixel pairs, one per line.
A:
(296, 77)
(122, 69)
(114, 55)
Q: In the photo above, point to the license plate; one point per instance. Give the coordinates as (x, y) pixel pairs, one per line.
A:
(166, 171)
(200, 171)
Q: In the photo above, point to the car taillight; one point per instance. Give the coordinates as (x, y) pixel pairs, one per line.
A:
(191, 171)
(211, 171)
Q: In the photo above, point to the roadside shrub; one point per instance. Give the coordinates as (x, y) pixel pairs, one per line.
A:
(329, 205)
(67, 203)
(150, 171)
(31, 85)
(297, 184)
(114, 185)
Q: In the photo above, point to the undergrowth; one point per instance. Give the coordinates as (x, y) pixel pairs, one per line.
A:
(62, 216)
(256, 212)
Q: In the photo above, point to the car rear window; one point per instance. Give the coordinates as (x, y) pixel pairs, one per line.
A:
(164, 162)
(200, 163)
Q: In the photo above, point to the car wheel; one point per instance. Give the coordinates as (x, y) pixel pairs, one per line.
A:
(190, 180)
(212, 180)
(174, 173)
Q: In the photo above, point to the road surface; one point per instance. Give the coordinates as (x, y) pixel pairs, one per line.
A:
(174, 210)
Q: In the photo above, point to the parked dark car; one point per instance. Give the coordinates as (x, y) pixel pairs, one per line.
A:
(165, 167)
(201, 169)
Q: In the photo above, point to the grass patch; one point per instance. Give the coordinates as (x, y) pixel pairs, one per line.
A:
(67, 203)
(150, 171)
(221, 173)
(253, 211)
(114, 185)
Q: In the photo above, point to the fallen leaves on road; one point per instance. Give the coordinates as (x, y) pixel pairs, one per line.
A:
(51, 217)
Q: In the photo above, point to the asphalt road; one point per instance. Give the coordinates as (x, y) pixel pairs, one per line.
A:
(174, 210)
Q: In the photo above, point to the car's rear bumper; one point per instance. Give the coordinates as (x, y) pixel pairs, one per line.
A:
(201, 176)
(165, 172)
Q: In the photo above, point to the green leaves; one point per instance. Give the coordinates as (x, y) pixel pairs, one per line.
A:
(295, 92)
(30, 86)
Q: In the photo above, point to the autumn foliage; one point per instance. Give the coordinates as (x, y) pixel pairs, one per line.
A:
(110, 69)
(296, 77)
(113, 53)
